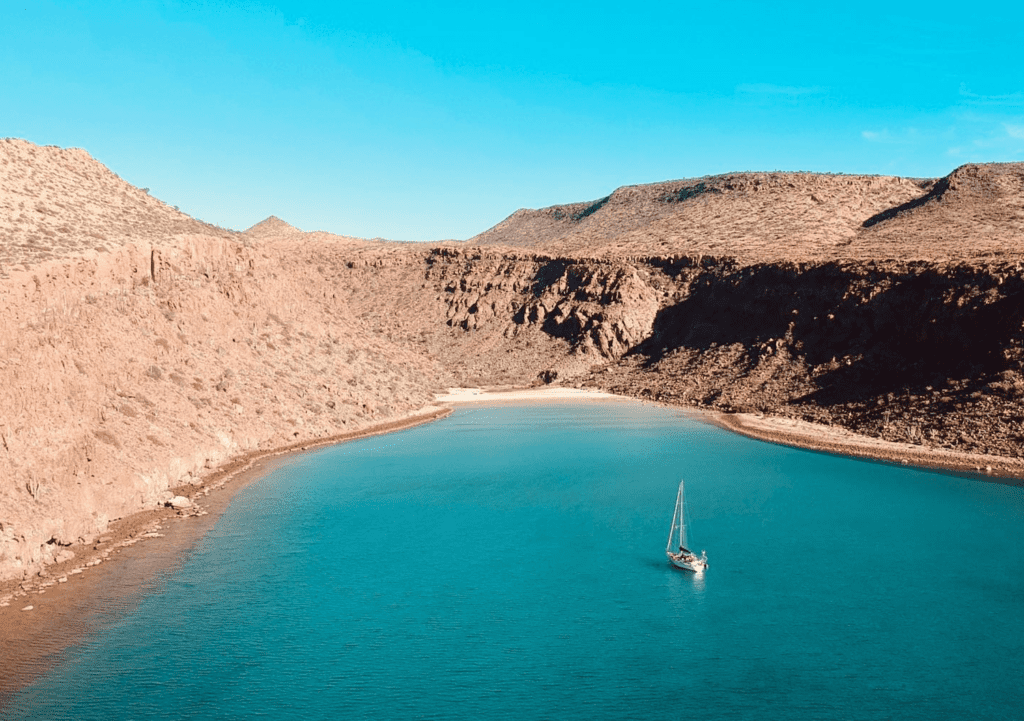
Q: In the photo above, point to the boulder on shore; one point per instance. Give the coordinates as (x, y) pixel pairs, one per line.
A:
(179, 502)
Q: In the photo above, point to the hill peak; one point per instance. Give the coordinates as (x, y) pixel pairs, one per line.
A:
(270, 227)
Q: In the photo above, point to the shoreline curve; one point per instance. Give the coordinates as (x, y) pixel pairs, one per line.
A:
(29, 651)
(784, 431)
(32, 641)
(809, 436)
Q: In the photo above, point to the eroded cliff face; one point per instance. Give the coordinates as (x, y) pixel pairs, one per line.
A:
(926, 353)
(501, 318)
(126, 373)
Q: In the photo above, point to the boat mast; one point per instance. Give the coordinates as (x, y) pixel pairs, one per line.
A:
(682, 518)
(676, 518)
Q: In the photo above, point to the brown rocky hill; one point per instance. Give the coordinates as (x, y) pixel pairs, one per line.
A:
(133, 369)
(273, 229)
(753, 216)
(56, 202)
(973, 213)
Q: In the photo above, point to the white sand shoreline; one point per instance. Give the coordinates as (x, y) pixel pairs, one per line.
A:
(483, 395)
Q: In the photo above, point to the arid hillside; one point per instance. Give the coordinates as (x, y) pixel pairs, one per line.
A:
(132, 370)
(973, 213)
(56, 202)
(923, 353)
(887, 306)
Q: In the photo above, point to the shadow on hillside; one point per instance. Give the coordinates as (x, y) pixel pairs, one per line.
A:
(878, 332)
(548, 275)
(935, 192)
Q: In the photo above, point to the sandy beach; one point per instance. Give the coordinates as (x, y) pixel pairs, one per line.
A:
(783, 431)
(493, 395)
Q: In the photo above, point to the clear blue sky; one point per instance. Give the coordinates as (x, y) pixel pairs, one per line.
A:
(421, 121)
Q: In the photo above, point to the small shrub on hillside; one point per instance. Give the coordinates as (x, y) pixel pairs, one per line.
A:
(107, 437)
(34, 487)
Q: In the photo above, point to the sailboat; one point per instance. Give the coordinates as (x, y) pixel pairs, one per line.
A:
(677, 550)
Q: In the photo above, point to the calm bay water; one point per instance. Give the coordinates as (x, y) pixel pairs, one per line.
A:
(508, 562)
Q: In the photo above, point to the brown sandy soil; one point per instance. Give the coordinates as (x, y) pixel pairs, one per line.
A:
(74, 595)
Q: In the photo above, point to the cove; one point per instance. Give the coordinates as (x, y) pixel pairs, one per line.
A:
(508, 562)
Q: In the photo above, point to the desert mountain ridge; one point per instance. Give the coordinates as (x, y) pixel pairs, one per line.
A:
(273, 227)
(140, 348)
(795, 217)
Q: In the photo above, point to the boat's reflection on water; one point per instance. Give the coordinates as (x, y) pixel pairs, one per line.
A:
(686, 590)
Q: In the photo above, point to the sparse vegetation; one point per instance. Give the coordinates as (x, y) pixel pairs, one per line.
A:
(34, 488)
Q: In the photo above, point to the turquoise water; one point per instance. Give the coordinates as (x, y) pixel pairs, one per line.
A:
(508, 562)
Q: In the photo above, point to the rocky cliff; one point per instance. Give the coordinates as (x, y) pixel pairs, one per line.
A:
(921, 352)
(130, 364)
(883, 305)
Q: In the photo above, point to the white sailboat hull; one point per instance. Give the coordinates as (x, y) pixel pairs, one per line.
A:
(697, 565)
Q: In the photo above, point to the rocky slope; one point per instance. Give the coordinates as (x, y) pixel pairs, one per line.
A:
(130, 370)
(883, 305)
(56, 202)
(975, 213)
